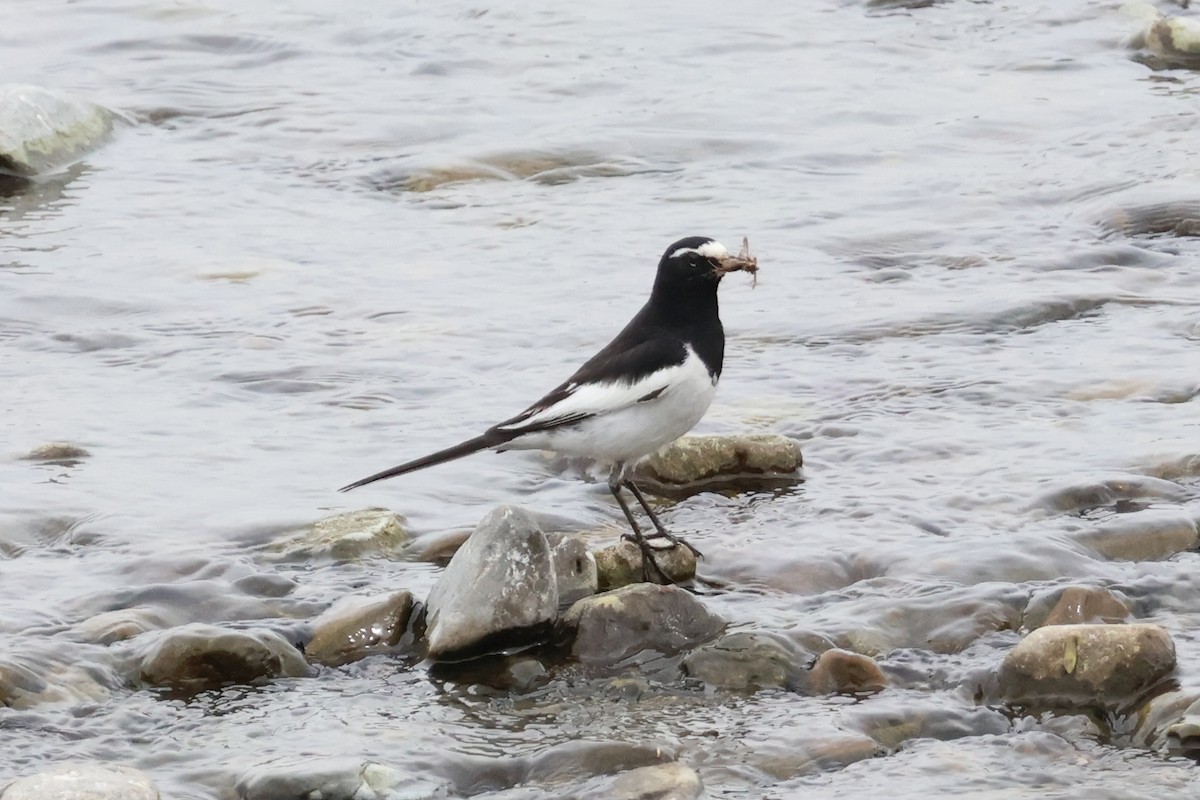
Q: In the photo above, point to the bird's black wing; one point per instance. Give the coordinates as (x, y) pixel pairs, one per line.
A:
(630, 369)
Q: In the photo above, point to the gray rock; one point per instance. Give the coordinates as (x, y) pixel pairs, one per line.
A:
(1086, 665)
(614, 625)
(1144, 536)
(196, 657)
(41, 129)
(574, 567)
(620, 565)
(813, 754)
(498, 592)
(83, 781)
(47, 674)
(347, 537)
(842, 672)
(1157, 718)
(1071, 605)
(750, 660)
(902, 719)
(705, 463)
(344, 634)
(333, 779)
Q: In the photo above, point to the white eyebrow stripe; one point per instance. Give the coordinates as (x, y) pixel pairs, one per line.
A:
(708, 250)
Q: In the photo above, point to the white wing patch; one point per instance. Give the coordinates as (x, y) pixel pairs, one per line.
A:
(598, 399)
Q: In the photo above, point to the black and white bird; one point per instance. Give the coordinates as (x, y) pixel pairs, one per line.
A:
(646, 388)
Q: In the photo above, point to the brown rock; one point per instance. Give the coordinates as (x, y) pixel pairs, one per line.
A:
(621, 565)
(1072, 605)
(1086, 664)
(343, 635)
(844, 672)
(347, 537)
(57, 453)
(196, 657)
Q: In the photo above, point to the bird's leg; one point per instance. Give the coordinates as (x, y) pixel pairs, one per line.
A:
(638, 538)
(663, 533)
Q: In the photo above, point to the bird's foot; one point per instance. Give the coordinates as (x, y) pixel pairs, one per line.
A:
(674, 540)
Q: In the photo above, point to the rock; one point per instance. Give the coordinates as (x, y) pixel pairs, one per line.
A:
(42, 130)
(45, 674)
(120, 624)
(438, 548)
(333, 779)
(614, 625)
(574, 568)
(505, 673)
(499, 591)
(1158, 715)
(1176, 39)
(1086, 665)
(672, 781)
(1072, 605)
(196, 657)
(345, 634)
(1109, 492)
(709, 463)
(893, 723)
(61, 453)
(347, 537)
(843, 672)
(750, 660)
(1144, 536)
(84, 780)
(820, 754)
(620, 565)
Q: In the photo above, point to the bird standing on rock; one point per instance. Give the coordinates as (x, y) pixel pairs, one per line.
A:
(646, 388)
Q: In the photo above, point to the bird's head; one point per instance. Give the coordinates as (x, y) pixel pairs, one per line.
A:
(699, 259)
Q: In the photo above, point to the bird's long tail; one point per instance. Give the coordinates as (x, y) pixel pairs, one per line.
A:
(487, 440)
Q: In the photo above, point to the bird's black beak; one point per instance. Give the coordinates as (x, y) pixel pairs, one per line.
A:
(742, 262)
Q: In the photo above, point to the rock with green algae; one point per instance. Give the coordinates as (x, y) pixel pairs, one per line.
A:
(720, 463)
(43, 129)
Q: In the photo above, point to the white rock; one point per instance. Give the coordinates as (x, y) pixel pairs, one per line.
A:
(41, 129)
(83, 781)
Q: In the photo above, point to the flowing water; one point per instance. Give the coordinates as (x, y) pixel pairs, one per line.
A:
(337, 236)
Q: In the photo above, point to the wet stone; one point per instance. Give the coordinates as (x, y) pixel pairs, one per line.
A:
(708, 463)
(345, 634)
(614, 625)
(1086, 665)
(809, 754)
(499, 591)
(843, 672)
(196, 657)
(62, 453)
(120, 624)
(620, 565)
(347, 537)
(891, 723)
(1159, 715)
(42, 130)
(1072, 605)
(574, 568)
(438, 548)
(83, 781)
(333, 779)
(750, 660)
(1144, 536)
(672, 781)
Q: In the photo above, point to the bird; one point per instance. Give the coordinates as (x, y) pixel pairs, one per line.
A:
(646, 388)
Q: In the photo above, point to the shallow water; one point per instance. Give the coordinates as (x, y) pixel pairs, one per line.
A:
(337, 237)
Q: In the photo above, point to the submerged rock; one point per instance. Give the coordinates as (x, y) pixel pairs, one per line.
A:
(1086, 665)
(1144, 536)
(620, 565)
(347, 537)
(121, 624)
(614, 625)
(342, 635)
(333, 779)
(842, 672)
(83, 780)
(750, 660)
(499, 591)
(42, 130)
(710, 463)
(196, 657)
(672, 781)
(1072, 605)
(62, 453)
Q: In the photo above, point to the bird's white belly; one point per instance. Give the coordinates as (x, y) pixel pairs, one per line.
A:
(638, 430)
